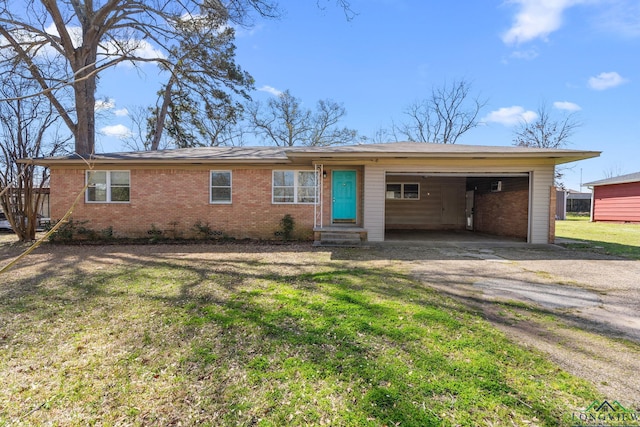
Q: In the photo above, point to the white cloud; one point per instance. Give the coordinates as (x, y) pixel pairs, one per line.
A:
(107, 50)
(510, 116)
(247, 32)
(606, 81)
(536, 19)
(105, 104)
(75, 33)
(566, 105)
(526, 55)
(620, 17)
(122, 112)
(138, 48)
(147, 50)
(269, 89)
(119, 131)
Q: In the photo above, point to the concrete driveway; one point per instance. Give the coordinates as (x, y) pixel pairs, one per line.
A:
(603, 290)
(573, 306)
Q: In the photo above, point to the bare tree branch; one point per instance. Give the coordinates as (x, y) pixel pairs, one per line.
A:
(28, 128)
(92, 35)
(614, 170)
(545, 131)
(284, 122)
(447, 114)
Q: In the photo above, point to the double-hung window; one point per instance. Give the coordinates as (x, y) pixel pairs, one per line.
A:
(108, 186)
(220, 187)
(294, 186)
(403, 191)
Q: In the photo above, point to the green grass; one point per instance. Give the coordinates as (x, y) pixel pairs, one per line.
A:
(244, 341)
(619, 239)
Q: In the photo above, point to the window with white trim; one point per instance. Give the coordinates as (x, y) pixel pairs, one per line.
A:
(108, 186)
(220, 187)
(403, 191)
(291, 186)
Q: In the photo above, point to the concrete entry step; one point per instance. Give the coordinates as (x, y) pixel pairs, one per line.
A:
(348, 237)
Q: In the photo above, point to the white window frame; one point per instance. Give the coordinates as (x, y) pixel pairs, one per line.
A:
(403, 192)
(211, 186)
(296, 187)
(108, 187)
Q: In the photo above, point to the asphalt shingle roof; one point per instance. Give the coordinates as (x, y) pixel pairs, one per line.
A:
(622, 179)
(271, 154)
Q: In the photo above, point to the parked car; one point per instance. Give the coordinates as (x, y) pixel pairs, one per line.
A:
(4, 223)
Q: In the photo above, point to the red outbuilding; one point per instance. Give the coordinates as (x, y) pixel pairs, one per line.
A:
(616, 199)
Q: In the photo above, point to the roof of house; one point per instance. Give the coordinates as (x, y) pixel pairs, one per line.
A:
(578, 196)
(289, 154)
(622, 179)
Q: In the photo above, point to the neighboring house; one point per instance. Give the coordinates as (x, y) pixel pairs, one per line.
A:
(571, 201)
(578, 202)
(43, 213)
(368, 189)
(616, 199)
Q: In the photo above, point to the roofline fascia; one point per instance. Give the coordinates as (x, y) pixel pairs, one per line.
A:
(149, 162)
(596, 184)
(476, 154)
(319, 157)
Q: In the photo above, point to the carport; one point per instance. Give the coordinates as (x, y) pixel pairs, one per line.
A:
(431, 205)
(405, 186)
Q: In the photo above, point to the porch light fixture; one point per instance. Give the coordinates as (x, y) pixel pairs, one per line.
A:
(324, 174)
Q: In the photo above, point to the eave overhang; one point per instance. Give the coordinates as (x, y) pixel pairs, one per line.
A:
(357, 154)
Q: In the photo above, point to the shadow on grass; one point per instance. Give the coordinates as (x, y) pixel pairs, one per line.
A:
(631, 252)
(285, 342)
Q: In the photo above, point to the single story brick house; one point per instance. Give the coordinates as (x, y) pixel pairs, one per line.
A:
(365, 189)
(616, 199)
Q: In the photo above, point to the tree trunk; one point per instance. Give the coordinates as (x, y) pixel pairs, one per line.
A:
(161, 114)
(85, 95)
(85, 130)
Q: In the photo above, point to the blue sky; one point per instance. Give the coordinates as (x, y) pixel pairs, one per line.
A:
(579, 56)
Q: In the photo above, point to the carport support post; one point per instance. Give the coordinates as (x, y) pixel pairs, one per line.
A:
(552, 214)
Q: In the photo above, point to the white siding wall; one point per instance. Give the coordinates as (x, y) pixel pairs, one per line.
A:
(540, 184)
(374, 188)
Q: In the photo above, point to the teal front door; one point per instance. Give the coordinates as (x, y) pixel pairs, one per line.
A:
(343, 196)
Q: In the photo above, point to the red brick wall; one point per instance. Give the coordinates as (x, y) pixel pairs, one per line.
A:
(502, 213)
(173, 200)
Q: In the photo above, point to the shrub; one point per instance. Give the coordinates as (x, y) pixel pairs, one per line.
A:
(155, 233)
(287, 224)
(106, 233)
(204, 231)
(67, 231)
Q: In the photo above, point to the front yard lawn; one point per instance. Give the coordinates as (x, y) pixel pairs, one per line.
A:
(270, 338)
(620, 239)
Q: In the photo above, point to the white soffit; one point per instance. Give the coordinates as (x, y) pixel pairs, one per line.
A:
(461, 174)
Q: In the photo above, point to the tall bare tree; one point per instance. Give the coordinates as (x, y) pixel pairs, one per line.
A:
(444, 116)
(546, 131)
(28, 128)
(614, 170)
(85, 37)
(283, 121)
